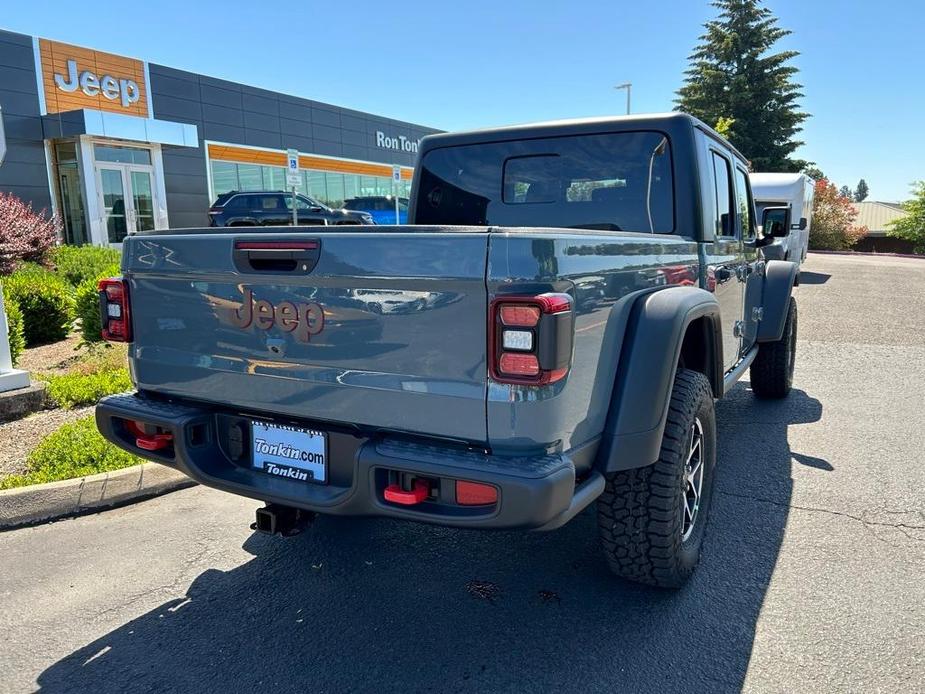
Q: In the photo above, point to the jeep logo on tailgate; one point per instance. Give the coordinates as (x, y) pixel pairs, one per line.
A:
(302, 320)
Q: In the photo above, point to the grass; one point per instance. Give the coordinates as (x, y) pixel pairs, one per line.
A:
(75, 450)
(99, 372)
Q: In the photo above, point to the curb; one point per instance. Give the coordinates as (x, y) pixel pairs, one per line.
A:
(914, 256)
(40, 503)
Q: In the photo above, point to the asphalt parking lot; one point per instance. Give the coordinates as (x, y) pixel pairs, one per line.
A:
(812, 579)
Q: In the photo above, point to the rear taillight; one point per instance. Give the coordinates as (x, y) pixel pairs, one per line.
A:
(530, 338)
(115, 314)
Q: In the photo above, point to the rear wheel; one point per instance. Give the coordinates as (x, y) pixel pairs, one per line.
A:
(652, 519)
(771, 373)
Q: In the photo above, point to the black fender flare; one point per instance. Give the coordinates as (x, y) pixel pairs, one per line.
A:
(648, 362)
(779, 279)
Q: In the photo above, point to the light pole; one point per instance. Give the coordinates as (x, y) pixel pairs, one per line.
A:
(628, 86)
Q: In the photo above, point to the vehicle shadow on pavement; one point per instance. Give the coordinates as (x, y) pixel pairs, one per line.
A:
(807, 277)
(377, 605)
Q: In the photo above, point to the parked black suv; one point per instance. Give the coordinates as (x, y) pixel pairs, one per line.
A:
(274, 208)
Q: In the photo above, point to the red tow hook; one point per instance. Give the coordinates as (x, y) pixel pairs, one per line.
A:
(148, 442)
(154, 442)
(397, 495)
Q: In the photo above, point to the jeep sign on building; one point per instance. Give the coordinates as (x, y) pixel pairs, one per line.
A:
(116, 144)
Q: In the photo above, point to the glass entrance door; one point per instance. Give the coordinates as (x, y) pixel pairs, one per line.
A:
(142, 199)
(126, 199)
(112, 192)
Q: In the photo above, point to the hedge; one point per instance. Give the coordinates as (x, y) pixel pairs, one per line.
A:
(46, 303)
(79, 264)
(14, 325)
(75, 450)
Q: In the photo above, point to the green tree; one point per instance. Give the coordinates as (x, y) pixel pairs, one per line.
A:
(735, 76)
(814, 172)
(845, 192)
(861, 192)
(912, 226)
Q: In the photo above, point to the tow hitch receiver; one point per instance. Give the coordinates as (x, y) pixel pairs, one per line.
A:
(419, 492)
(285, 520)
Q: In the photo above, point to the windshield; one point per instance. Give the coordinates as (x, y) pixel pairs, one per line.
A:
(615, 181)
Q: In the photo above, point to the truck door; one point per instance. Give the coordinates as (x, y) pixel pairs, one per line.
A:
(752, 271)
(724, 259)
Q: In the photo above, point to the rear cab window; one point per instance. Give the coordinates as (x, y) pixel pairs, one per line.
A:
(613, 182)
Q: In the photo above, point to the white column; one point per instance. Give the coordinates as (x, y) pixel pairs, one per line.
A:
(10, 378)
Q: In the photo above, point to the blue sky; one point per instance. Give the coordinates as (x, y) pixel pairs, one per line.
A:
(455, 65)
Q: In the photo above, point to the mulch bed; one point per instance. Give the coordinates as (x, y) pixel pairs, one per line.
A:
(18, 438)
(55, 358)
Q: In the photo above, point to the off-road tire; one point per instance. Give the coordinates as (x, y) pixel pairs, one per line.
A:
(641, 511)
(771, 373)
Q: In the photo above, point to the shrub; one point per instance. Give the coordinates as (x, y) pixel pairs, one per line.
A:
(24, 234)
(45, 301)
(87, 300)
(15, 329)
(75, 450)
(79, 264)
(833, 227)
(73, 389)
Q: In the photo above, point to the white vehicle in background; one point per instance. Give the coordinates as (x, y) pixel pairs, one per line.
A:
(795, 192)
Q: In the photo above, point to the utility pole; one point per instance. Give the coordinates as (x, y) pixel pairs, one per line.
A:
(628, 86)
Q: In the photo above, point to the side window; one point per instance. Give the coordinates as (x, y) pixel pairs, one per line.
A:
(238, 202)
(269, 202)
(744, 205)
(300, 202)
(722, 184)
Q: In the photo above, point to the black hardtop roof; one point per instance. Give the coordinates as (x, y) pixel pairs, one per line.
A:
(671, 122)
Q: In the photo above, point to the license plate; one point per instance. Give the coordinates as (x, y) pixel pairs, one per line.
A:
(296, 454)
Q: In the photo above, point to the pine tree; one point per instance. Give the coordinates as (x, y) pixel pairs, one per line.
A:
(845, 192)
(861, 192)
(733, 75)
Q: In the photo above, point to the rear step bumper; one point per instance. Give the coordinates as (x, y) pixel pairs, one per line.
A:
(532, 492)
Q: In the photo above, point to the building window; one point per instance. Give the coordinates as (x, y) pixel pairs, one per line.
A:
(224, 177)
(332, 189)
(122, 155)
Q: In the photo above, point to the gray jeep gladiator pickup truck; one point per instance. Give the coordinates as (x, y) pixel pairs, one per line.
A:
(552, 330)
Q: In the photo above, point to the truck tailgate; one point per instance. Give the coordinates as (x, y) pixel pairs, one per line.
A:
(385, 330)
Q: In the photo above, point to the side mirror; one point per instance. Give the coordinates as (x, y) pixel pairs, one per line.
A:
(803, 223)
(775, 221)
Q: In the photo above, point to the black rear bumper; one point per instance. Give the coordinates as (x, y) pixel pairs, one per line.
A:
(537, 492)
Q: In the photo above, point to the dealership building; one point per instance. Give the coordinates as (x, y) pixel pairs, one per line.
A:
(116, 144)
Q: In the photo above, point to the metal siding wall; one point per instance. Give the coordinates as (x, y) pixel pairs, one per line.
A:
(237, 114)
(24, 172)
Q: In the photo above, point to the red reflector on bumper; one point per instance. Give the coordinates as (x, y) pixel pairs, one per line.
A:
(475, 494)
